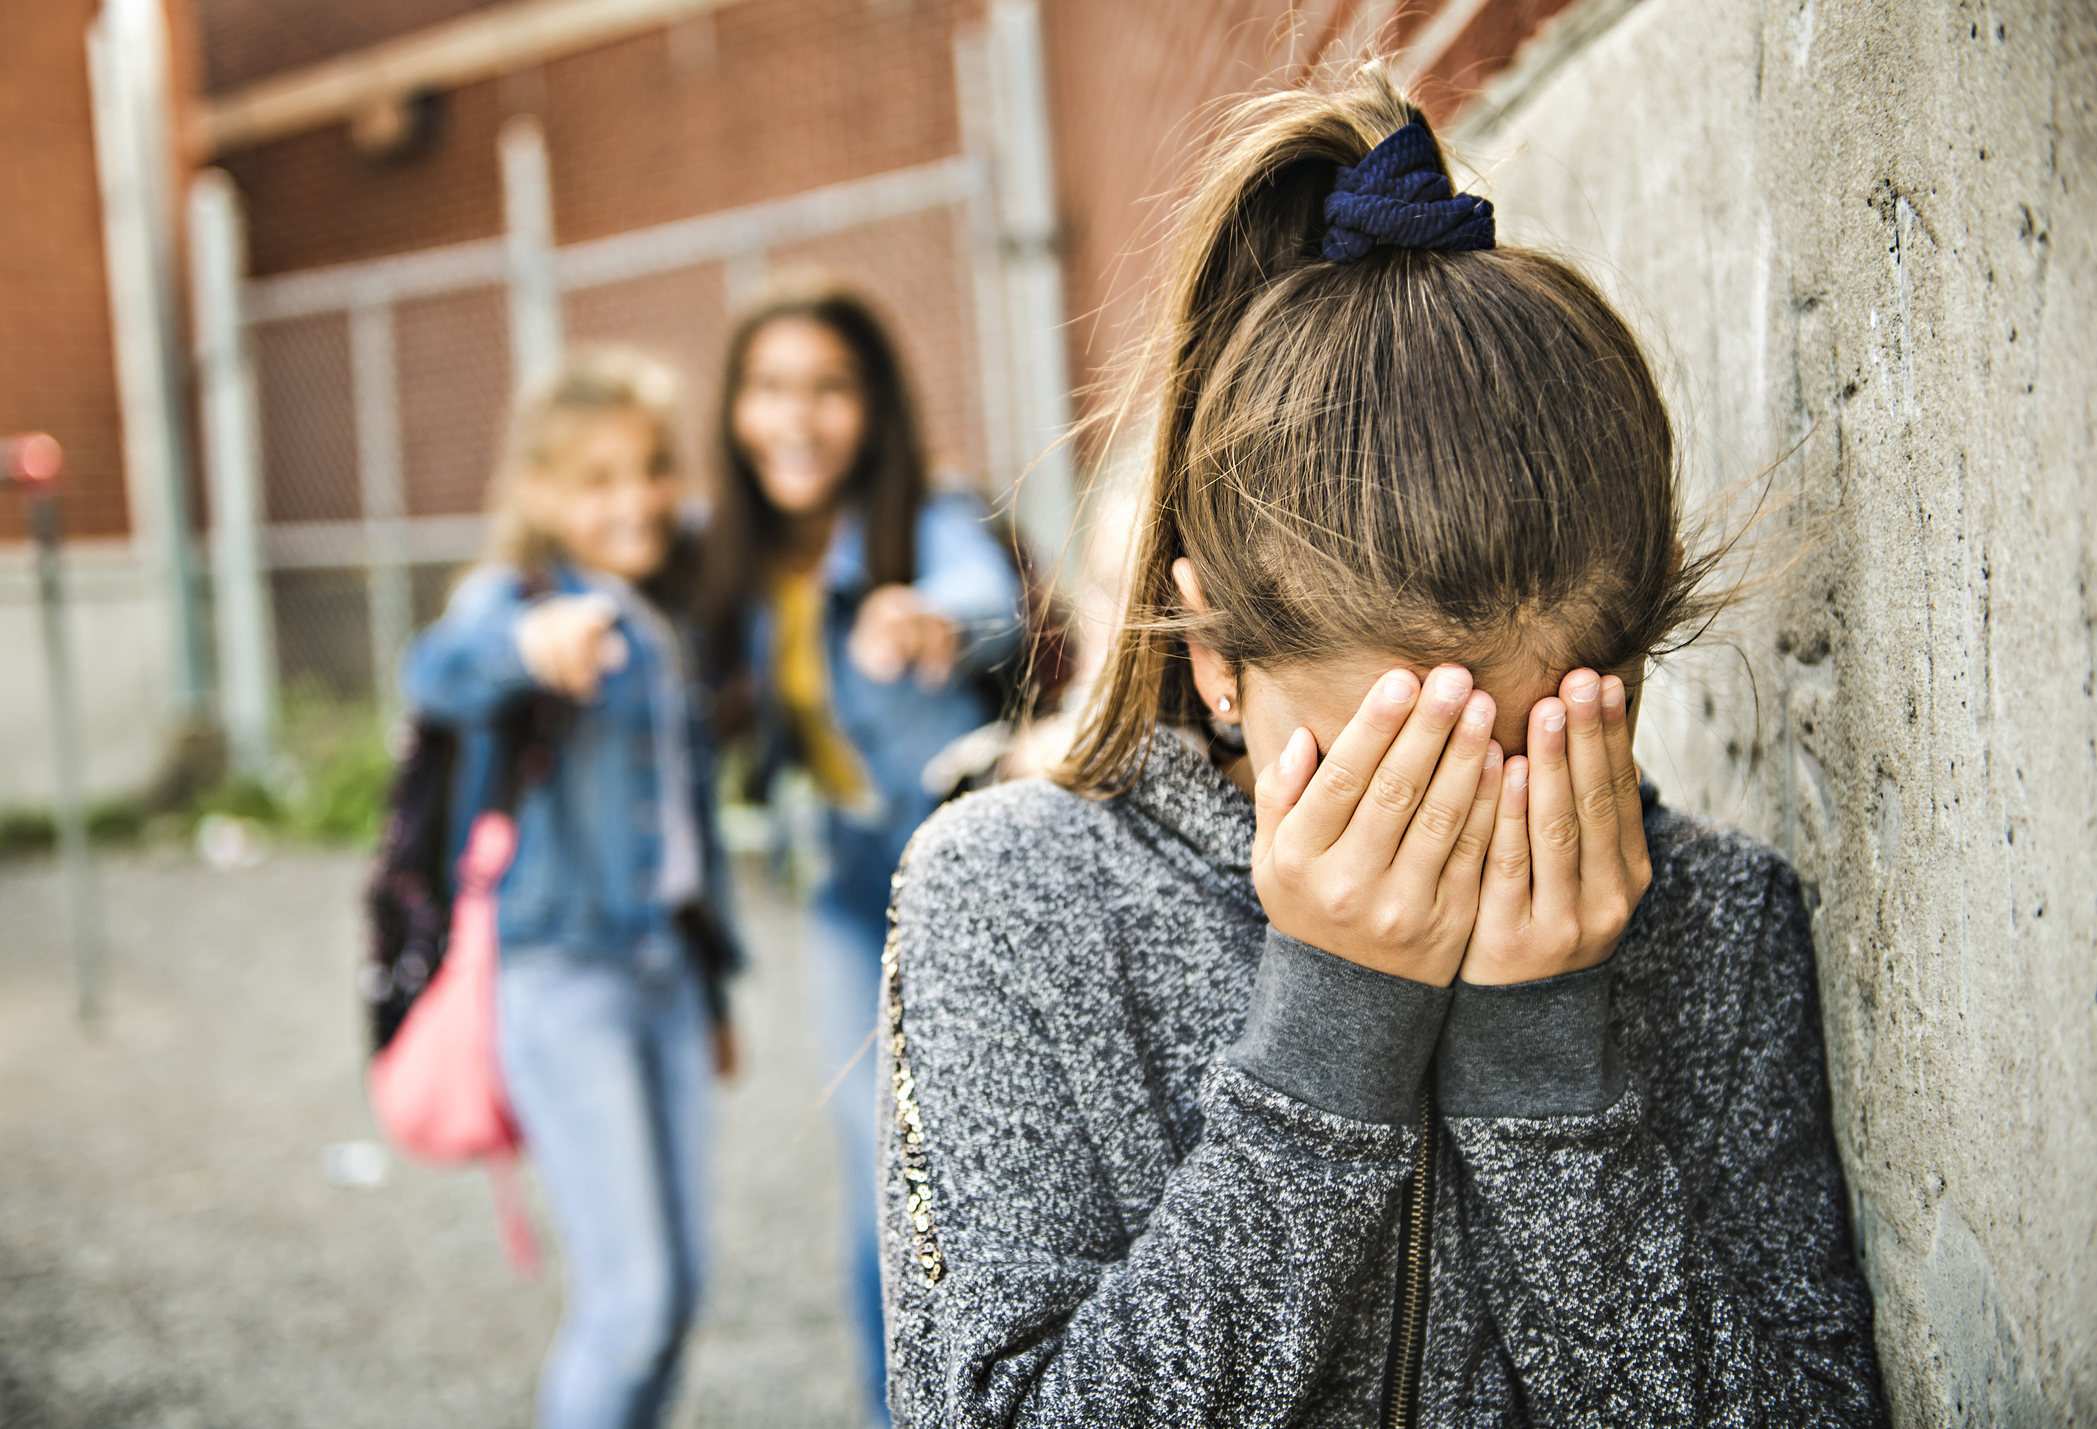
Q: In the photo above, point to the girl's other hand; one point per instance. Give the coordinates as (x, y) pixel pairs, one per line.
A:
(568, 644)
(895, 631)
(1374, 855)
(1568, 860)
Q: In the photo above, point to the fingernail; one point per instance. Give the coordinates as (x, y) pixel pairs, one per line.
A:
(1555, 720)
(1518, 776)
(1292, 753)
(1492, 756)
(1612, 694)
(1583, 690)
(1397, 690)
(1451, 685)
(1478, 713)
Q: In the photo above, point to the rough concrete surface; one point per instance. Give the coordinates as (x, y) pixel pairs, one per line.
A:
(1861, 237)
(172, 1255)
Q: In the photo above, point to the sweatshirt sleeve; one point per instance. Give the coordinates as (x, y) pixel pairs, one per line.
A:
(1635, 1281)
(1018, 1290)
(466, 666)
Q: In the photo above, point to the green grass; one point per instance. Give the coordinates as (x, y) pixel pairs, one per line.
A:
(336, 768)
(329, 787)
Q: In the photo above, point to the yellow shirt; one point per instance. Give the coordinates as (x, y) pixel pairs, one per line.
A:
(801, 672)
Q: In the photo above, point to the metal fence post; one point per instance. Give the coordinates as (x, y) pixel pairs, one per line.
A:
(1013, 92)
(535, 295)
(127, 66)
(382, 487)
(33, 462)
(247, 686)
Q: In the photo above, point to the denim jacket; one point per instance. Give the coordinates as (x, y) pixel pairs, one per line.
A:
(965, 575)
(589, 845)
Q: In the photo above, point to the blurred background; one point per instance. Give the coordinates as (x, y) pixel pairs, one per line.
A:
(270, 271)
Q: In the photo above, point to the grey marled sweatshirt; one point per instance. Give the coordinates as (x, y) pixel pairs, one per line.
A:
(1145, 1158)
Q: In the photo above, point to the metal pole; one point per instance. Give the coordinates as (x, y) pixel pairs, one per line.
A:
(995, 371)
(1023, 185)
(388, 594)
(535, 295)
(247, 686)
(127, 64)
(33, 463)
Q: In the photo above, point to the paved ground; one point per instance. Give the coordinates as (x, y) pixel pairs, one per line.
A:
(172, 1255)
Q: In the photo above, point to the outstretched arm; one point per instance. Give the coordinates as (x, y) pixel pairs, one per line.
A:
(467, 665)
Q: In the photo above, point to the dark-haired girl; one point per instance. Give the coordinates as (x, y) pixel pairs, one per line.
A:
(854, 609)
(1346, 1036)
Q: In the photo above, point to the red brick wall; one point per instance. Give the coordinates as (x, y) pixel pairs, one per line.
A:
(1136, 86)
(754, 101)
(57, 369)
(770, 97)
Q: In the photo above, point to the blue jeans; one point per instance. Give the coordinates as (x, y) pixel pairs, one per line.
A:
(610, 1073)
(844, 975)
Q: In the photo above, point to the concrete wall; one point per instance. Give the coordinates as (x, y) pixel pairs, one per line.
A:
(1862, 235)
(58, 374)
(117, 632)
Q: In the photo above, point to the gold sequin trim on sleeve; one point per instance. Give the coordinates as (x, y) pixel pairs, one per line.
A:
(917, 1180)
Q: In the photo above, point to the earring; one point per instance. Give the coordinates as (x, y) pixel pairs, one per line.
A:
(1223, 704)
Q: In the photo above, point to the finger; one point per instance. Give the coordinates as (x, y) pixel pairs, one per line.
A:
(1468, 856)
(1504, 890)
(560, 659)
(1594, 789)
(936, 645)
(1554, 824)
(582, 677)
(1392, 796)
(1279, 786)
(583, 650)
(595, 606)
(1429, 846)
(1322, 815)
(1623, 769)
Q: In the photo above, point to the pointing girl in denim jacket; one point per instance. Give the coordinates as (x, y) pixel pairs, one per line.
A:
(611, 1022)
(851, 610)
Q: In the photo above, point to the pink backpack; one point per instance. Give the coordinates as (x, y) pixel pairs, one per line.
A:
(436, 1089)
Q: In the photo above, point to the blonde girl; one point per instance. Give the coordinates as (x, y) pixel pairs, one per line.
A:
(1346, 1037)
(612, 1020)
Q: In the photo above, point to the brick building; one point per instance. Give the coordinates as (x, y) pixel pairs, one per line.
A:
(996, 175)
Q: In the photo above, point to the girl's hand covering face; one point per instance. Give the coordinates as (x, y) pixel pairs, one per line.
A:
(1568, 861)
(1376, 854)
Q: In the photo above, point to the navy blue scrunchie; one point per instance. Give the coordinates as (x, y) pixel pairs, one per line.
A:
(1399, 195)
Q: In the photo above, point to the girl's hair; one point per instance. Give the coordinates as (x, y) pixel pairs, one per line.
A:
(1452, 456)
(744, 533)
(590, 381)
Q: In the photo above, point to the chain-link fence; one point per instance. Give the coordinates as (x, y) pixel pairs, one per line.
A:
(380, 388)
